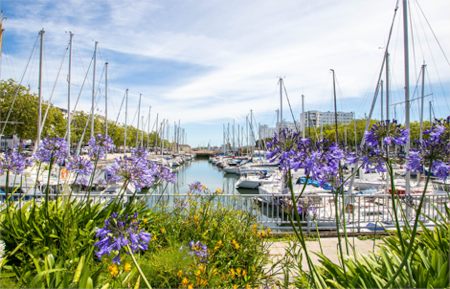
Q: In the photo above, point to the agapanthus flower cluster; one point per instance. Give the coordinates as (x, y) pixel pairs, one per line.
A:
(434, 149)
(82, 167)
(162, 173)
(200, 250)
(52, 150)
(99, 145)
(290, 149)
(378, 140)
(131, 170)
(14, 161)
(320, 160)
(196, 187)
(138, 170)
(119, 232)
(323, 164)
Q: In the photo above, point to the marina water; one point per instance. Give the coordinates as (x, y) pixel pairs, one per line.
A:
(207, 174)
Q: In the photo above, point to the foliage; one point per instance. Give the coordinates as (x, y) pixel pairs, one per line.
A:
(429, 266)
(24, 114)
(58, 251)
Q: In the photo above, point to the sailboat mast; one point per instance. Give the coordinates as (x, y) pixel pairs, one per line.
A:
(431, 108)
(178, 137)
(93, 90)
(303, 116)
(281, 103)
(125, 136)
(106, 98)
(223, 135)
(69, 77)
(252, 134)
(387, 85)
(381, 101)
(407, 104)
(148, 126)
(421, 101)
(142, 131)
(335, 106)
(156, 133)
(41, 53)
(1, 43)
(138, 119)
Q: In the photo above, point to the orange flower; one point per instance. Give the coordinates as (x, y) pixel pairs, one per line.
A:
(184, 282)
(235, 244)
(218, 245)
(127, 267)
(113, 270)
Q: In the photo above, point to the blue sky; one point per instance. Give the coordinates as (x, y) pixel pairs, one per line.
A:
(207, 63)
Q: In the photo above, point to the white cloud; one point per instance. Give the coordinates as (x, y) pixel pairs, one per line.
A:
(245, 45)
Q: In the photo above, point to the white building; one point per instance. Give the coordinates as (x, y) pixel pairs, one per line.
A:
(314, 118)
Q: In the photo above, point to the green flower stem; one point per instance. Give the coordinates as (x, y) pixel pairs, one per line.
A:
(341, 189)
(35, 185)
(394, 197)
(394, 208)
(341, 253)
(299, 233)
(413, 234)
(138, 267)
(47, 189)
(73, 184)
(7, 188)
(91, 181)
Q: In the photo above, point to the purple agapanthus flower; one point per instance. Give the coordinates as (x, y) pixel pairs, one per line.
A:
(138, 170)
(117, 233)
(321, 160)
(196, 187)
(99, 145)
(80, 166)
(131, 170)
(433, 150)
(200, 250)
(14, 161)
(378, 140)
(52, 150)
(162, 173)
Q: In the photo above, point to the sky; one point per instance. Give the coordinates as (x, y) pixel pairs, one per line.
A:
(207, 63)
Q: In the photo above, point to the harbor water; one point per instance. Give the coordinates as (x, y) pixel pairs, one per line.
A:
(209, 175)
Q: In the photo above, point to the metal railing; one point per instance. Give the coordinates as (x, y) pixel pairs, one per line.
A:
(317, 212)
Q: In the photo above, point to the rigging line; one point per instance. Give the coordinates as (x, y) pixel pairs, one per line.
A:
(82, 135)
(82, 85)
(290, 107)
(418, 24)
(434, 34)
(79, 94)
(413, 43)
(18, 87)
(120, 109)
(49, 104)
(97, 93)
(442, 88)
(417, 84)
(377, 87)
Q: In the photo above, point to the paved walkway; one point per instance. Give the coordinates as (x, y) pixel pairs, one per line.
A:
(329, 247)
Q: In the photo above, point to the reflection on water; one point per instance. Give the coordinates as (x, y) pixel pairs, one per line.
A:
(207, 174)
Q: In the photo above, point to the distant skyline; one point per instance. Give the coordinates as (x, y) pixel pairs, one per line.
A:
(209, 62)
